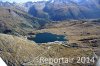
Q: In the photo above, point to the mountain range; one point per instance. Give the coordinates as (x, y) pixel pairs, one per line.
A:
(59, 9)
(66, 9)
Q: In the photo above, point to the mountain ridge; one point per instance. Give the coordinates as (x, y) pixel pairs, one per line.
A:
(60, 9)
(16, 21)
(69, 9)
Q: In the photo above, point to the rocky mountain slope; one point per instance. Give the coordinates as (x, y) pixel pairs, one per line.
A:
(18, 22)
(67, 9)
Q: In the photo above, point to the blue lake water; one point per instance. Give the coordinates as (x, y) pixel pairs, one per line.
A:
(48, 37)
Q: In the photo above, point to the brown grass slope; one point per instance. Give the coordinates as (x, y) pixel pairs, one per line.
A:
(16, 51)
(18, 21)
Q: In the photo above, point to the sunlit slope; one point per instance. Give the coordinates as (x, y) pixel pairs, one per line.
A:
(16, 21)
(18, 51)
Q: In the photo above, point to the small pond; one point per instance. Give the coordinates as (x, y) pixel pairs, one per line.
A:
(47, 37)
